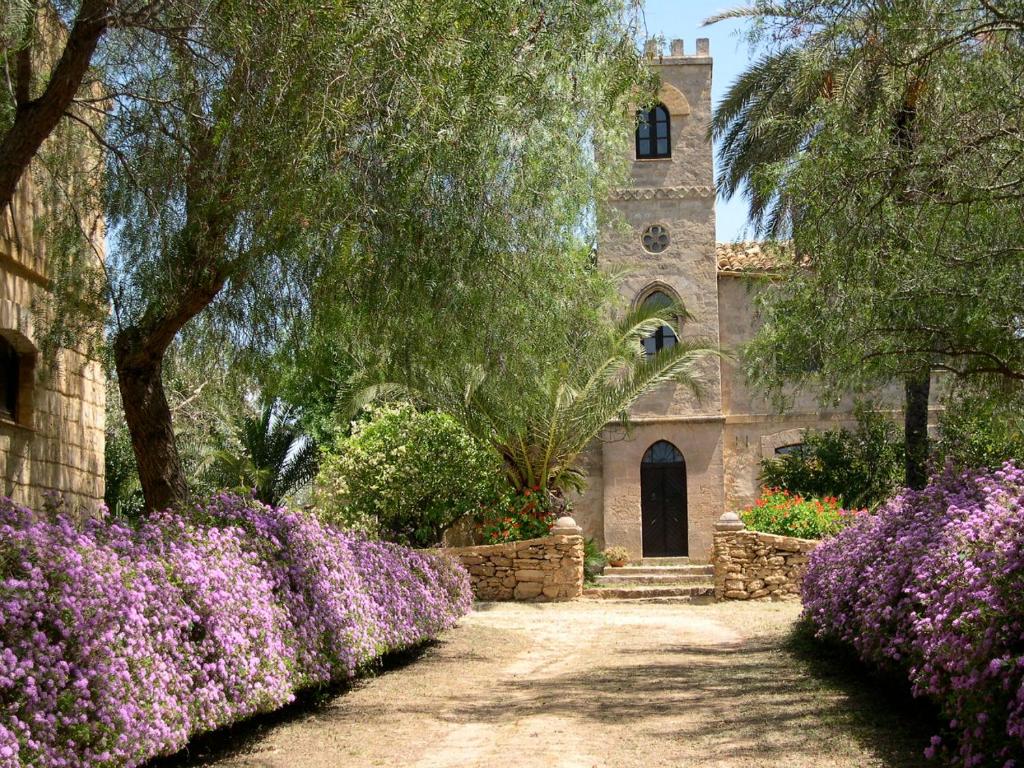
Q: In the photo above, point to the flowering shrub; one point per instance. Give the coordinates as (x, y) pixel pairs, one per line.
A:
(118, 644)
(526, 515)
(406, 476)
(932, 586)
(787, 514)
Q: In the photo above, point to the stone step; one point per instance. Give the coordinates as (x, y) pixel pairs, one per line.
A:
(660, 570)
(665, 561)
(648, 592)
(670, 600)
(659, 579)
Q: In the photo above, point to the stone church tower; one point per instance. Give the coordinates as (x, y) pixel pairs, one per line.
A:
(675, 445)
(659, 488)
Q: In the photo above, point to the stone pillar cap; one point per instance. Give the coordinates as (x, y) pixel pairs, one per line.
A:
(565, 526)
(730, 521)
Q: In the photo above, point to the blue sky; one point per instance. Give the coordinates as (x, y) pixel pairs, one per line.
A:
(682, 19)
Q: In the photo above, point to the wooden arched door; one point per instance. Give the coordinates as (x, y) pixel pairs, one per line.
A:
(663, 501)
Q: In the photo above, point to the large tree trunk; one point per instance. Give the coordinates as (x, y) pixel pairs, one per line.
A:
(36, 119)
(138, 354)
(915, 428)
(152, 431)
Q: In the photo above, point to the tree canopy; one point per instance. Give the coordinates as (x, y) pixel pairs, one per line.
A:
(880, 141)
(268, 161)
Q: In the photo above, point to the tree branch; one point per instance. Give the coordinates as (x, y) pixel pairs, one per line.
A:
(36, 119)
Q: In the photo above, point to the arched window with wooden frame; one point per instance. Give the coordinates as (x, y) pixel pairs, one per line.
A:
(653, 133)
(664, 337)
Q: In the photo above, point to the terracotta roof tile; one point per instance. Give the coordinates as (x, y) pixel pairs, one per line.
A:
(752, 256)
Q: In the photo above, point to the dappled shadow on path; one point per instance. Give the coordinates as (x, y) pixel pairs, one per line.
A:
(240, 738)
(741, 702)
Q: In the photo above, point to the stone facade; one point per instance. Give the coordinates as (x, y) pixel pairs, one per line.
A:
(724, 434)
(53, 439)
(750, 565)
(534, 569)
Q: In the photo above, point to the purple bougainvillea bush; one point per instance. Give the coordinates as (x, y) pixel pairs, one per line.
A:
(119, 643)
(932, 586)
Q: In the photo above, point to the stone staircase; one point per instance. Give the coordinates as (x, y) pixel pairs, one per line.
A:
(655, 579)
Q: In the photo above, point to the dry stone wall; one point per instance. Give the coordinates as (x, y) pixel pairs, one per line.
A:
(750, 565)
(535, 569)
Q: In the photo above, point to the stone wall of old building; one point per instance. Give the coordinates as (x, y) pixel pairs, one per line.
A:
(754, 426)
(534, 569)
(677, 194)
(749, 565)
(54, 441)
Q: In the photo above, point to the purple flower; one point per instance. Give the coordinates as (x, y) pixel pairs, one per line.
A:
(118, 644)
(932, 586)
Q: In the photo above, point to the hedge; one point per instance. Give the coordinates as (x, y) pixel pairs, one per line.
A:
(932, 588)
(119, 643)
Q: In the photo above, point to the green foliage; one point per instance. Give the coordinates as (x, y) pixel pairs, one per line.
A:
(541, 414)
(616, 555)
(787, 514)
(978, 431)
(122, 492)
(861, 467)
(880, 139)
(527, 514)
(406, 475)
(270, 457)
(368, 185)
(594, 561)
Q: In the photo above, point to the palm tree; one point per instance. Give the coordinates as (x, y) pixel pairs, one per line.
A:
(554, 416)
(272, 457)
(771, 113)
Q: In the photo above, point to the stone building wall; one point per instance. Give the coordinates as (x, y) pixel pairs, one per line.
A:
(535, 569)
(55, 440)
(749, 565)
(754, 426)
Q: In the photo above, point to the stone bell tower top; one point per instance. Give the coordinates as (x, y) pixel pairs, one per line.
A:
(667, 247)
(685, 93)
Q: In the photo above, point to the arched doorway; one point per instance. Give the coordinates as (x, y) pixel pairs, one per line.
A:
(663, 501)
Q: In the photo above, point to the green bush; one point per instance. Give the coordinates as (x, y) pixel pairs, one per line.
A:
(594, 561)
(406, 476)
(981, 428)
(786, 514)
(861, 467)
(518, 516)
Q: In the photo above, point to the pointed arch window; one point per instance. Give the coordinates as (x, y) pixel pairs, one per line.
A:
(664, 337)
(663, 452)
(653, 133)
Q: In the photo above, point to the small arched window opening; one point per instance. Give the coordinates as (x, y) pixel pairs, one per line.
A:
(10, 380)
(664, 337)
(792, 449)
(653, 133)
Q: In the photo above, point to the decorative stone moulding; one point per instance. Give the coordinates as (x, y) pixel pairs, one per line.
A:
(565, 526)
(663, 193)
(730, 521)
(655, 238)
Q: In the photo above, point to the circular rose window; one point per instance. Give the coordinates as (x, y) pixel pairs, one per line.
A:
(655, 238)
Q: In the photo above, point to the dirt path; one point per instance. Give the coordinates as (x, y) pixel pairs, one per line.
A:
(585, 684)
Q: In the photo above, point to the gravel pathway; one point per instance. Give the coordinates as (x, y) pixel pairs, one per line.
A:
(587, 684)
